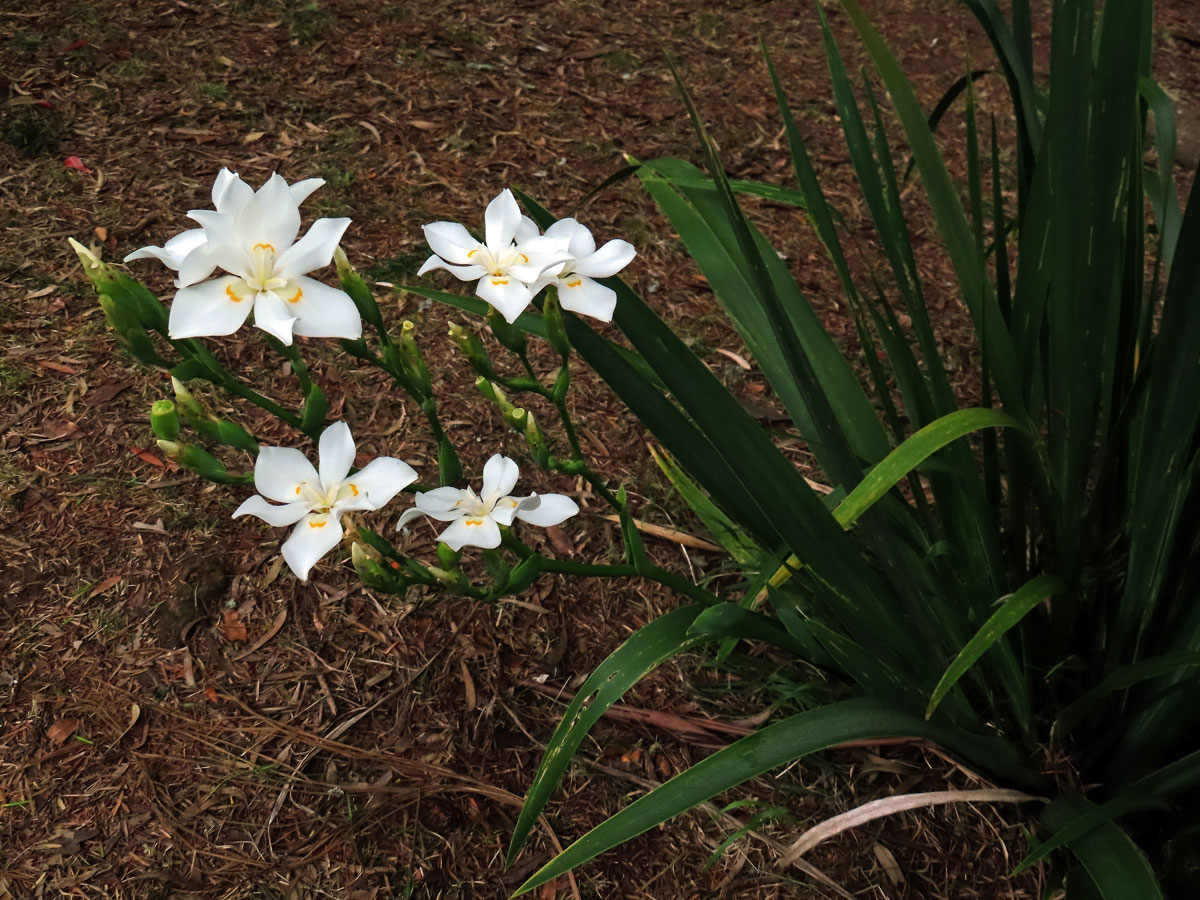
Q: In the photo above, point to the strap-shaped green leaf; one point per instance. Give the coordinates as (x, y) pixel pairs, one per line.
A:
(647, 648)
(1014, 609)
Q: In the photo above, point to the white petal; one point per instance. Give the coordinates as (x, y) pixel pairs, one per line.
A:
(271, 216)
(527, 229)
(315, 536)
(508, 295)
(322, 311)
(542, 253)
(209, 309)
(444, 503)
(580, 242)
(501, 221)
(451, 241)
(505, 509)
(230, 193)
(314, 250)
(382, 479)
(499, 478)
(336, 454)
(607, 261)
(288, 514)
(479, 531)
(552, 509)
(281, 472)
(580, 294)
(196, 266)
(302, 189)
(462, 273)
(407, 516)
(171, 253)
(273, 316)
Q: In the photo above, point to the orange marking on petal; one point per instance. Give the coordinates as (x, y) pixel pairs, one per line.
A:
(526, 258)
(298, 489)
(353, 488)
(576, 283)
(232, 296)
(318, 524)
(299, 294)
(471, 253)
(473, 521)
(270, 247)
(499, 281)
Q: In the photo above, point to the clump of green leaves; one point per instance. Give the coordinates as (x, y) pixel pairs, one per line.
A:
(32, 130)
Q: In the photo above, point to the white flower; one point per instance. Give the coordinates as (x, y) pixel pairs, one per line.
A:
(252, 236)
(476, 518)
(576, 289)
(316, 500)
(512, 257)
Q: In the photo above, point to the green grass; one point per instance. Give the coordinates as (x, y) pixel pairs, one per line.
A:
(307, 21)
(32, 130)
(210, 90)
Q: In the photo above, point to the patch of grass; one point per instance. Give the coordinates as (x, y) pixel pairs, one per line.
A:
(622, 61)
(337, 178)
(709, 25)
(32, 130)
(306, 21)
(27, 41)
(210, 90)
(12, 379)
(132, 69)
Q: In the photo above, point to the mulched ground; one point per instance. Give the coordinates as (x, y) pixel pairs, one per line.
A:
(178, 717)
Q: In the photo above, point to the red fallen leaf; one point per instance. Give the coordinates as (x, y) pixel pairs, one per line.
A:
(61, 730)
(74, 45)
(74, 162)
(147, 456)
(232, 627)
(210, 694)
(46, 104)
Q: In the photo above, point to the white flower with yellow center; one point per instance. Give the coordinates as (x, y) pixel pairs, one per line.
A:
(574, 279)
(315, 500)
(476, 518)
(511, 258)
(252, 236)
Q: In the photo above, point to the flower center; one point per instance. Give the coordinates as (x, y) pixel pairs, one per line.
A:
(324, 501)
(262, 275)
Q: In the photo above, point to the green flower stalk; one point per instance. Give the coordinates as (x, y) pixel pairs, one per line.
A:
(164, 420)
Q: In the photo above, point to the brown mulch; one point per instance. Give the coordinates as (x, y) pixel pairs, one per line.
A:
(181, 718)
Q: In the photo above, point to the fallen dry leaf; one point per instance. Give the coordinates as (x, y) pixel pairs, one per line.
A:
(232, 627)
(106, 392)
(61, 730)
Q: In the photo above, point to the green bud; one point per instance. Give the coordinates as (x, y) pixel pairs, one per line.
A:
(496, 565)
(353, 285)
(91, 262)
(203, 463)
(417, 369)
(447, 557)
(556, 330)
(184, 399)
(170, 448)
(164, 420)
(517, 418)
(509, 336)
(492, 391)
(473, 350)
(235, 435)
(537, 441)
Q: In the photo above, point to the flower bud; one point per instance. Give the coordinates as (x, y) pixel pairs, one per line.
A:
(509, 336)
(89, 259)
(170, 448)
(184, 399)
(536, 440)
(556, 330)
(492, 391)
(129, 332)
(353, 285)
(164, 420)
(473, 350)
(415, 362)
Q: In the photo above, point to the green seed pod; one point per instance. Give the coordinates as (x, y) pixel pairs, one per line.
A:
(556, 330)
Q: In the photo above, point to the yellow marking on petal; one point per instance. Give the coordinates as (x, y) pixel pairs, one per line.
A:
(298, 489)
(472, 521)
(576, 283)
(270, 247)
(296, 298)
(526, 258)
(499, 281)
(353, 488)
(232, 296)
(318, 524)
(471, 253)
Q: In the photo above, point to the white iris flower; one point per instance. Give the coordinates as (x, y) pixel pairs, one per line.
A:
(315, 500)
(510, 260)
(577, 291)
(251, 235)
(476, 518)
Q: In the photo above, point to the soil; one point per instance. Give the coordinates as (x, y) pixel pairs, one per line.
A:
(179, 717)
